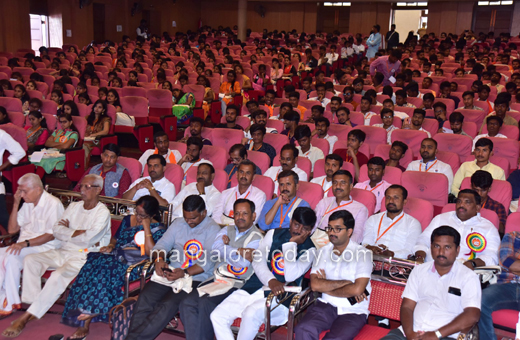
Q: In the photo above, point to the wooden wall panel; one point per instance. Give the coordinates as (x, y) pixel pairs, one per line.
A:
(364, 15)
(15, 27)
(449, 17)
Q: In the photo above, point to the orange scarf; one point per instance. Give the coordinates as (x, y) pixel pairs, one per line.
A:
(171, 157)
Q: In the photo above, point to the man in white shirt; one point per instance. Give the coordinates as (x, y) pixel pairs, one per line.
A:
(430, 163)
(387, 116)
(333, 163)
(285, 255)
(288, 159)
(203, 187)
(375, 184)
(321, 131)
(7, 143)
(34, 221)
(332, 56)
(389, 104)
(365, 104)
(155, 184)
(392, 232)
(341, 187)
(416, 122)
(302, 134)
(480, 237)
(320, 91)
(340, 281)
(441, 297)
(493, 124)
(194, 146)
(83, 228)
(162, 144)
(223, 211)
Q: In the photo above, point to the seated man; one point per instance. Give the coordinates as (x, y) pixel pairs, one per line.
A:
(501, 108)
(223, 210)
(483, 96)
(231, 118)
(332, 164)
(428, 100)
(416, 122)
(320, 91)
(387, 116)
(188, 238)
(321, 131)
(341, 188)
(483, 152)
(34, 221)
(294, 99)
(116, 177)
(237, 153)
(286, 254)
(192, 156)
(343, 117)
(455, 305)
(445, 92)
(400, 99)
(269, 98)
(274, 213)
(162, 144)
(203, 187)
(302, 134)
(196, 127)
(335, 104)
(290, 121)
(467, 100)
(396, 153)
(430, 163)
(233, 246)
(251, 107)
(316, 113)
(366, 103)
(375, 184)
(257, 143)
(493, 125)
(351, 154)
(481, 182)
(481, 239)
(288, 159)
(439, 110)
(456, 124)
(338, 279)
(389, 104)
(84, 227)
(392, 232)
(258, 117)
(155, 184)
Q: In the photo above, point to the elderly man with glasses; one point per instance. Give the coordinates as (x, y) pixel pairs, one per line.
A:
(83, 228)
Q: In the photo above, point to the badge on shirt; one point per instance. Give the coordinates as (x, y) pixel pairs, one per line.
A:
(278, 264)
(231, 213)
(237, 271)
(115, 185)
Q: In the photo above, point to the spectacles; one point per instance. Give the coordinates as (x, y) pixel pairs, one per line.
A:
(336, 230)
(388, 117)
(87, 186)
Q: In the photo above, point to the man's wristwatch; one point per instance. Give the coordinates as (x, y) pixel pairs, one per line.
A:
(438, 334)
(27, 243)
(185, 270)
(473, 264)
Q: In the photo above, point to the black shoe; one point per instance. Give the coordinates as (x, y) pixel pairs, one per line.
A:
(57, 337)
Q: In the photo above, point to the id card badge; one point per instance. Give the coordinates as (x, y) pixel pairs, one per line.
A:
(392, 79)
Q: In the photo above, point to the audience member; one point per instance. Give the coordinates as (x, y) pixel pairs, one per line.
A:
(481, 182)
(302, 134)
(397, 152)
(332, 164)
(375, 184)
(162, 147)
(237, 153)
(256, 143)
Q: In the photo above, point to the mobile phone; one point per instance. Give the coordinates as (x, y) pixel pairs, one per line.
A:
(167, 270)
(352, 299)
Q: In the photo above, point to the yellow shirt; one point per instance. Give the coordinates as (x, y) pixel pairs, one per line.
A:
(468, 168)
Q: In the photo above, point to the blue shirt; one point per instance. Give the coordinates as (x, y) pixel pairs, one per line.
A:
(278, 217)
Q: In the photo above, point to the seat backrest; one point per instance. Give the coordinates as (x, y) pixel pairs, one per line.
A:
(133, 166)
(513, 222)
(412, 138)
(35, 94)
(181, 147)
(17, 133)
(261, 159)
(506, 148)
(277, 141)
(365, 197)
(11, 104)
(220, 181)
(501, 191)
(51, 121)
(392, 175)
(383, 151)
(489, 215)
(133, 91)
(312, 193)
(509, 131)
(450, 104)
(81, 124)
(49, 106)
(16, 118)
(431, 125)
(135, 106)
(432, 187)
(197, 90)
(450, 158)
(459, 144)
(386, 299)
(375, 136)
(340, 131)
(476, 116)
(174, 173)
(217, 155)
(275, 124)
(420, 209)
(226, 138)
(322, 144)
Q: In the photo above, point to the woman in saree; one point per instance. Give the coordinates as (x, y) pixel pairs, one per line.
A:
(183, 104)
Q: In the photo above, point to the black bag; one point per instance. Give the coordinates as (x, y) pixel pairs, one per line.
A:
(119, 318)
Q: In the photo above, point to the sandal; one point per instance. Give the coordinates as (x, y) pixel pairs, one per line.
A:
(13, 333)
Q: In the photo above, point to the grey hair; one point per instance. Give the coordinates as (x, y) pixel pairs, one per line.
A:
(32, 180)
(98, 180)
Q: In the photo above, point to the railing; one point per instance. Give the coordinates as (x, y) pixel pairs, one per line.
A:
(392, 270)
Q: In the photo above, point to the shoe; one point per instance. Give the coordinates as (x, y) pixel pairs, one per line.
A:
(57, 337)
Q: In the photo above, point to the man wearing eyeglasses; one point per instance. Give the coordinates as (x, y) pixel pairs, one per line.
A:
(83, 228)
(342, 274)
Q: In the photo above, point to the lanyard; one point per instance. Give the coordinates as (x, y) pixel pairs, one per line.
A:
(32, 133)
(93, 125)
(374, 188)
(339, 206)
(391, 225)
(236, 194)
(286, 213)
(426, 169)
(230, 173)
(323, 183)
(190, 167)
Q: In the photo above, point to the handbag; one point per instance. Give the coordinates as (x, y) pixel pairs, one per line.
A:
(119, 318)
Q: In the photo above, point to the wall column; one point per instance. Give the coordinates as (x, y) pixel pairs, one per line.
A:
(242, 19)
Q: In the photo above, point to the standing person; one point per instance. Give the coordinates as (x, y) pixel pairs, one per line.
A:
(392, 38)
(373, 42)
(142, 30)
(388, 66)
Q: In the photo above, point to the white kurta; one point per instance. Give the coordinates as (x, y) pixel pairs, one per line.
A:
(7, 143)
(211, 197)
(224, 207)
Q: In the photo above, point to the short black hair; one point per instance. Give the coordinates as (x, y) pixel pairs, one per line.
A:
(346, 216)
(257, 113)
(358, 134)
(241, 148)
(468, 93)
(386, 110)
(482, 179)
(156, 156)
(159, 134)
(211, 168)
(420, 111)
(334, 157)
(338, 99)
(247, 162)
(376, 161)
(320, 120)
(113, 148)
(400, 187)
(319, 108)
(195, 141)
(302, 131)
(401, 145)
(497, 118)
(343, 172)
(294, 95)
(245, 200)
(197, 120)
(482, 142)
(290, 147)
(446, 231)
(441, 105)
(233, 107)
(292, 116)
(194, 203)
(475, 194)
(305, 216)
(289, 173)
(257, 127)
(456, 117)
(428, 96)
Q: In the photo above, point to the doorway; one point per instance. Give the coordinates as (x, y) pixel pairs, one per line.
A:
(99, 22)
(492, 19)
(407, 20)
(333, 16)
(39, 31)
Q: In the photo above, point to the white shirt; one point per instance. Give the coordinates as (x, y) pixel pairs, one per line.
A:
(436, 307)
(400, 239)
(144, 158)
(164, 188)
(378, 190)
(358, 48)
(331, 57)
(475, 224)
(346, 52)
(369, 115)
(323, 102)
(37, 220)
(388, 132)
(332, 140)
(187, 165)
(313, 154)
(342, 267)
(328, 205)
(485, 135)
(7, 143)
(228, 197)
(273, 172)
(435, 166)
(322, 181)
(211, 197)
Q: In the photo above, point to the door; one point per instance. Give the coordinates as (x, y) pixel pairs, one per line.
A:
(99, 22)
(492, 19)
(332, 18)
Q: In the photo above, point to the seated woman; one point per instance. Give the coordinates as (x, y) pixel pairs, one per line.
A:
(98, 124)
(36, 131)
(102, 93)
(209, 95)
(246, 84)
(88, 303)
(21, 93)
(289, 70)
(66, 137)
(84, 98)
(183, 104)
(31, 86)
(276, 71)
(113, 99)
(4, 118)
(261, 79)
(5, 84)
(229, 90)
(57, 97)
(70, 108)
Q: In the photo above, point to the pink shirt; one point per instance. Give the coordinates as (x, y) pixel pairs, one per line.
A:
(378, 190)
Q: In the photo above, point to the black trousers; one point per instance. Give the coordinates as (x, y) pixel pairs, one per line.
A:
(156, 306)
(195, 315)
(4, 214)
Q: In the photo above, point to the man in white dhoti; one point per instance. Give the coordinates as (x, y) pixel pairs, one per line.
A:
(34, 222)
(83, 228)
